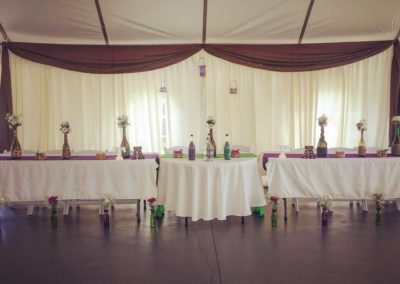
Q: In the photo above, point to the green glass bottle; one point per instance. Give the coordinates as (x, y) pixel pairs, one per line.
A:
(227, 148)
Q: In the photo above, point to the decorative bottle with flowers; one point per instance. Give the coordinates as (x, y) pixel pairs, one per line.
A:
(151, 202)
(322, 148)
(107, 202)
(123, 122)
(65, 128)
(52, 202)
(274, 200)
(379, 199)
(325, 202)
(362, 127)
(395, 147)
(14, 121)
(211, 122)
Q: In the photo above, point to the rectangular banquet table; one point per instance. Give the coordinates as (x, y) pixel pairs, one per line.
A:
(343, 178)
(208, 190)
(79, 178)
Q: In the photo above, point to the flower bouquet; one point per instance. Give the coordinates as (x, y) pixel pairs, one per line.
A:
(152, 202)
(325, 202)
(65, 128)
(379, 199)
(123, 122)
(107, 202)
(14, 121)
(362, 126)
(274, 200)
(52, 202)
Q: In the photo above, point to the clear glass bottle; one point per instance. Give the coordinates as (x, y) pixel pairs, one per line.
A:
(210, 150)
(362, 149)
(227, 148)
(192, 149)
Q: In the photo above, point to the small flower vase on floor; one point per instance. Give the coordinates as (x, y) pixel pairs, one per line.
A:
(152, 218)
(124, 143)
(324, 217)
(66, 150)
(16, 150)
(106, 219)
(322, 148)
(274, 217)
(378, 215)
(54, 217)
(362, 150)
(396, 142)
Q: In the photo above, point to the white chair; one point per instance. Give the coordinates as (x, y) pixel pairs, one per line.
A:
(171, 150)
(241, 148)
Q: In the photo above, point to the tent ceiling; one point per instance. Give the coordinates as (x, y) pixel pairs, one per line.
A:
(181, 21)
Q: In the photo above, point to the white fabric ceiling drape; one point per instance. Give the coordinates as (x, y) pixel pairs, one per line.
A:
(271, 108)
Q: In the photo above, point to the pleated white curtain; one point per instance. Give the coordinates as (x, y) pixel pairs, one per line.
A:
(271, 108)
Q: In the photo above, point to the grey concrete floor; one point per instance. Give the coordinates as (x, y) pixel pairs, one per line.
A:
(351, 250)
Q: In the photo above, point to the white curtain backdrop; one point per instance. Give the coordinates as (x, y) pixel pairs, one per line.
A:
(271, 108)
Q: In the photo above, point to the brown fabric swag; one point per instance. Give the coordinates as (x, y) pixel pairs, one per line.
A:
(126, 59)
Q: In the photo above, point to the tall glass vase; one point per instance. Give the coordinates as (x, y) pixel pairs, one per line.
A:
(54, 217)
(362, 149)
(106, 219)
(124, 143)
(213, 141)
(378, 216)
(396, 142)
(274, 216)
(152, 218)
(324, 217)
(16, 150)
(66, 150)
(322, 148)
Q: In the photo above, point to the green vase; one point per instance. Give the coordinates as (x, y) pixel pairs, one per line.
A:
(124, 143)
(378, 216)
(54, 217)
(153, 218)
(274, 217)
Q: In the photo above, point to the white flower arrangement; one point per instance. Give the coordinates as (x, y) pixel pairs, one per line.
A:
(362, 125)
(13, 120)
(326, 201)
(108, 201)
(2, 201)
(379, 199)
(210, 121)
(65, 127)
(396, 120)
(123, 120)
(323, 120)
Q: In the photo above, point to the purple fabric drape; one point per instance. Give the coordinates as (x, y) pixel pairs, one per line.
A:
(5, 101)
(297, 57)
(395, 86)
(126, 59)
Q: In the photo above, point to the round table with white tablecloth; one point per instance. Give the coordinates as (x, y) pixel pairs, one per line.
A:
(210, 189)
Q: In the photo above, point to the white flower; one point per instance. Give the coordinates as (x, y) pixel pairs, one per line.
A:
(210, 121)
(2, 201)
(65, 127)
(396, 120)
(379, 199)
(13, 120)
(323, 120)
(123, 120)
(362, 125)
(107, 201)
(326, 201)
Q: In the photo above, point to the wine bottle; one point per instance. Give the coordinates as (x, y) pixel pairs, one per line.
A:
(227, 148)
(192, 149)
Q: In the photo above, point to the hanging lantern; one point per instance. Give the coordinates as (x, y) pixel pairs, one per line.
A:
(163, 88)
(233, 87)
(202, 66)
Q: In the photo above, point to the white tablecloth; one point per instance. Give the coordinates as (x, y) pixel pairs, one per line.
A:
(351, 178)
(208, 190)
(77, 179)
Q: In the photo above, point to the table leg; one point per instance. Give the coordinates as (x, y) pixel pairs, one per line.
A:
(186, 221)
(285, 208)
(138, 211)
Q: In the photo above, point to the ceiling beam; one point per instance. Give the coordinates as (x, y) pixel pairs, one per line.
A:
(103, 27)
(204, 22)
(3, 32)
(303, 29)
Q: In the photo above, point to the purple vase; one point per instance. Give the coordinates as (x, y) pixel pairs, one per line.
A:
(324, 217)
